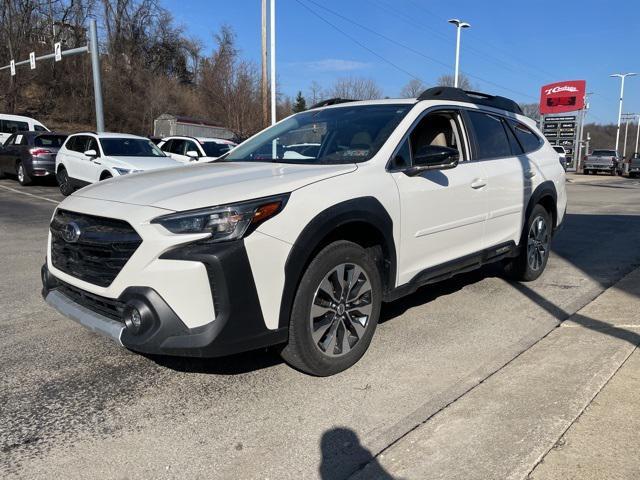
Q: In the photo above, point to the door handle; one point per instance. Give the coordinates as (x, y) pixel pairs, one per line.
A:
(530, 174)
(478, 183)
(97, 163)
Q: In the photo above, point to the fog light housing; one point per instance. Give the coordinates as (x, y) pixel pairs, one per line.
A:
(132, 320)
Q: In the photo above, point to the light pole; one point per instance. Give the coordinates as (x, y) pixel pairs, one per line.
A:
(459, 26)
(273, 60)
(622, 76)
(635, 152)
(583, 116)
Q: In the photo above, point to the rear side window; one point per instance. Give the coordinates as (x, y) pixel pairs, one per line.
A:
(13, 126)
(490, 135)
(529, 140)
(54, 141)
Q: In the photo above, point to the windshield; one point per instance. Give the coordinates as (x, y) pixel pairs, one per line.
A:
(214, 149)
(130, 147)
(52, 141)
(348, 134)
(604, 153)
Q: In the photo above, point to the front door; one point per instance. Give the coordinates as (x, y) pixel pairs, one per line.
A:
(443, 212)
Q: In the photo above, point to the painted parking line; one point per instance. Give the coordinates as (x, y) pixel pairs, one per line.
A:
(29, 194)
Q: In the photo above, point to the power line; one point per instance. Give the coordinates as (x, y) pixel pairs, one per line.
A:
(411, 49)
(359, 43)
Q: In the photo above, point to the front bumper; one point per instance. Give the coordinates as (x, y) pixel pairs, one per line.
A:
(238, 324)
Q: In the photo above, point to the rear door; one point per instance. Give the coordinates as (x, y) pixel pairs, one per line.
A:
(73, 158)
(7, 155)
(509, 172)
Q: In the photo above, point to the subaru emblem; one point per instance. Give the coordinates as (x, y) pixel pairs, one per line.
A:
(71, 232)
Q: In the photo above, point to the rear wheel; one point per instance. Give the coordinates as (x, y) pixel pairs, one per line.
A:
(335, 311)
(66, 187)
(23, 177)
(534, 247)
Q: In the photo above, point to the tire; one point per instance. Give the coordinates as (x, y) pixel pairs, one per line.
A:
(23, 177)
(327, 333)
(64, 182)
(535, 245)
(614, 172)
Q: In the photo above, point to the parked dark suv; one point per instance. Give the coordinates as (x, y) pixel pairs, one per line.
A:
(30, 155)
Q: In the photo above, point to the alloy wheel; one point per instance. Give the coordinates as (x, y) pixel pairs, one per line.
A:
(20, 172)
(538, 243)
(341, 310)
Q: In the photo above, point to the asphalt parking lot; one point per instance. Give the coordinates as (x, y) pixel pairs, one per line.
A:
(73, 402)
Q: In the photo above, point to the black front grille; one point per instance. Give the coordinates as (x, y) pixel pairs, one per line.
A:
(107, 307)
(99, 253)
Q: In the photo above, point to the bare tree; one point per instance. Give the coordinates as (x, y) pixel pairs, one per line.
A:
(356, 88)
(413, 88)
(463, 81)
(315, 93)
(531, 110)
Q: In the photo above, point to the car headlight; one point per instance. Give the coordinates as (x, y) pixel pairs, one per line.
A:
(225, 222)
(124, 171)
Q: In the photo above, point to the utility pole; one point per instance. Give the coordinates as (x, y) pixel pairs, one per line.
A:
(272, 28)
(459, 26)
(265, 88)
(621, 76)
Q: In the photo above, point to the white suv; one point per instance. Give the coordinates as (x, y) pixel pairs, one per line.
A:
(89, 157)
(251, 251)
(191, 149)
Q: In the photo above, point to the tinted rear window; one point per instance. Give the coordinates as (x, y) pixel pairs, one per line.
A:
(54, 141)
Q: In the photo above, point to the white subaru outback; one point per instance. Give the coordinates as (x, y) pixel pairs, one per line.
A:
(258, 249)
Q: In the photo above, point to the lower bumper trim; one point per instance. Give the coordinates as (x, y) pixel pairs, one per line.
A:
(93, 321)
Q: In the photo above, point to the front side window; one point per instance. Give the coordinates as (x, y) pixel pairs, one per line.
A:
(214, 149)
(77, 143)
(130, 147)
(345, 134)
(191, 147)
(178, 146)
(92, 144)
(490, 135)
(439, 129)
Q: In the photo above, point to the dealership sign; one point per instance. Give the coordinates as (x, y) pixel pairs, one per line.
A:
(561, 97)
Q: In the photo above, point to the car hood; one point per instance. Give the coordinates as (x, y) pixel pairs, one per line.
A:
(206, 184)
(143, 163)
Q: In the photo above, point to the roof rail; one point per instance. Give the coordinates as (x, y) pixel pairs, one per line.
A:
(331, 101)
(478, 98)
(84, 131)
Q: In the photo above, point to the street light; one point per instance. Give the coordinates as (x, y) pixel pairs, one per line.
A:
(622, 76)
(459, 26)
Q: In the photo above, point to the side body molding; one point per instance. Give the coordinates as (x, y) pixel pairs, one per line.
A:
(365, 213)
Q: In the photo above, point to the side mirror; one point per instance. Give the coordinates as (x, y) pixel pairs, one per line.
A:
(91, 153)
(193, 154)
(433, 157)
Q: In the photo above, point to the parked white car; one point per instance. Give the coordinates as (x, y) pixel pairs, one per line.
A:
(89, 157)
(10, 124)
(256, 249)
(192, 149)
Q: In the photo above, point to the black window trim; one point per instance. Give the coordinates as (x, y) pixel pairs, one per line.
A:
(466, 140)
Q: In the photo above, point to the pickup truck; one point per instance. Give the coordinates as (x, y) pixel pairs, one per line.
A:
(602, 161)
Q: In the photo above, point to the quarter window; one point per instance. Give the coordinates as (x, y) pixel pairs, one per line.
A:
(491, 137)
(529, 140)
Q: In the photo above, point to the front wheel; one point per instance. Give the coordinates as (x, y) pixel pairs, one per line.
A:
(534, 247)
(335, 311)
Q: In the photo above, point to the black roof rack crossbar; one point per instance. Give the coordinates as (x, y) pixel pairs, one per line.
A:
(478, 98)
(331, 101)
